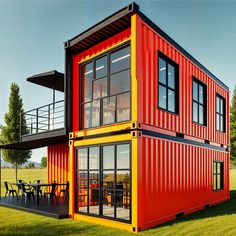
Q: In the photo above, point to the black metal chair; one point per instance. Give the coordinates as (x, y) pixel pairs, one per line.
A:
(40, 190)
(65, 191)
(9, 190)
(26, 193)
(51, 194)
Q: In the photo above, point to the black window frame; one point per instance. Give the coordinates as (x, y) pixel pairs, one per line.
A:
(109, 74)
(216, 174)
(115, 169)
(204, 104)
(222, 129)
(176, 82)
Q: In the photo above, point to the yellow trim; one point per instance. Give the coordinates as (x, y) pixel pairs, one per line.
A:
(134, 95)
(71, 177)
(134, 151)
(134, 179)
(134, 103)
(103, 140)
(106, 129)
(103, 51)
(101, 221)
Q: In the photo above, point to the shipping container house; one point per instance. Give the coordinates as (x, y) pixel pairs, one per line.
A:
(146, 134)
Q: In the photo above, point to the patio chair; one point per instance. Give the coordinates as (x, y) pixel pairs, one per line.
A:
(40, 190)
(26, 193)
(65, 191)
(9, 190)
(51, 194)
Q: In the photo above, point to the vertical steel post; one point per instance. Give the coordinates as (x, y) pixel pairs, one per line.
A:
(37, 119)
(54, 97)
(49, 117)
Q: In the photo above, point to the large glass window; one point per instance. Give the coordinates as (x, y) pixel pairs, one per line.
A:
(105, 96)
(218, 174)
(199, 105)
(167, 84)
(220, 113)
(104, 181)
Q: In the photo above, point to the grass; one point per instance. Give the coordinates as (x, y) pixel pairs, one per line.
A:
(216, 220)
(24, 174)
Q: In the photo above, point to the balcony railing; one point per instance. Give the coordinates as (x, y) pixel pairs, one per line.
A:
(43, 119)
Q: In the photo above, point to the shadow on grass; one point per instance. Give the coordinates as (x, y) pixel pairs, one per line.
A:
(224, 208)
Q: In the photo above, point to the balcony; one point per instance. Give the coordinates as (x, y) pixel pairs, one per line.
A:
(43, 122)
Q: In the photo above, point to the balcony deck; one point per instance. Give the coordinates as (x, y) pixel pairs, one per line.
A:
(60, 211)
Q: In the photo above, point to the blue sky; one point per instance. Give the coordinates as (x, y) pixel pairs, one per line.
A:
(32, 35)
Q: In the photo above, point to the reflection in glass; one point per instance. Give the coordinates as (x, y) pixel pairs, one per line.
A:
(82, 179)
(219, 181)
(195, 91)
(162, 71)
(87, 76)
(171, 76)
(123, 156)
(108, 157)
(82, 200)
(200, 107)
(108, 178)
(109, 108)
(108, 203)
(96, 113)
(100, 88)
(123, 180)
(123, 107)
(162, 97)
(93, 179)
(217, 121)
(101, 67)
(171, 100)
(120, 60)
(94, 201)
(218, 104)
(195, 112)
(201, 94)
(94, 158)
(120, 82)
(123, 212)
(87, 115)
(82, 159)
(221, 106)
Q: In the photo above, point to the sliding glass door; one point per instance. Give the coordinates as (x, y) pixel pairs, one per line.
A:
(104, 181)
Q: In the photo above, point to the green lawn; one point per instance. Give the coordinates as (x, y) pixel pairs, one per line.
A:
(24, 174)
(216, 220)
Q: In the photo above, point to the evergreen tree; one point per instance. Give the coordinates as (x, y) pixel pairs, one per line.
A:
(10, 132)
(233, 128)
(44, 162)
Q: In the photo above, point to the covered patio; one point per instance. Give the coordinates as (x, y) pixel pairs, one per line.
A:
(59, 211)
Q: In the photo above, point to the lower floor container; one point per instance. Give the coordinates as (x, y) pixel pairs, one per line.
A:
(175, 178)
(135, 181)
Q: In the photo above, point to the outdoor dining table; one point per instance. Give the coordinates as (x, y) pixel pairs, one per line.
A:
(37, 187)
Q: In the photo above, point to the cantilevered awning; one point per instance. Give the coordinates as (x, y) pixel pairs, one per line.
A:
(38, 140)
(51, 79)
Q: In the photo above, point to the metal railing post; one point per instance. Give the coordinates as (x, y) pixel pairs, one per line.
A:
(49, 117)
(37, 119)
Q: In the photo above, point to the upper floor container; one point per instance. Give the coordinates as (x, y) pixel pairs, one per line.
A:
(126, 70)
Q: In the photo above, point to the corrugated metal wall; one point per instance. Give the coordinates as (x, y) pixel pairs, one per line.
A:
(84, 56)
(58, 163)
(175, 177)
(148, 44)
